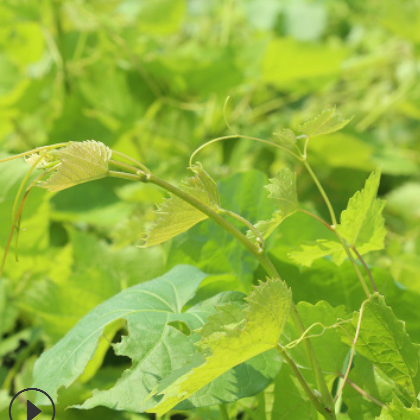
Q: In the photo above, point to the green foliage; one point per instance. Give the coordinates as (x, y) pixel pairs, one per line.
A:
(232, 336)
(175, 215)
(382, 340)
(325, 123)
(78, 163)
(283, 192)
(151, 86)
(362, 226)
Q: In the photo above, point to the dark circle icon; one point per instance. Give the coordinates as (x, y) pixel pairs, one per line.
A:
(31, 409)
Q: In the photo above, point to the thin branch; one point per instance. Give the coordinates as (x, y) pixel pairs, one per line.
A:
(248, 224)
(363, 392)
(240, 136)
(353, 349)
(365, 266)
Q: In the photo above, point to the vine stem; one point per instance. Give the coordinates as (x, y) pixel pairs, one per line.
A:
(263, 259)
(334, 227)
(224, 414)
(314, 400)
(353, 247)
(240, 136)
(248, 224)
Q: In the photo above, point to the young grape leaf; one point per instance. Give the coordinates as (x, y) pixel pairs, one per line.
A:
(79, 163)
(308, 252)
(155, 343)
(325, 123)
(362, 226)
(362, 223)
(382, 340)
(397, 411)
(176, 216)
(283, 192)
(286, 137)
(230, 337)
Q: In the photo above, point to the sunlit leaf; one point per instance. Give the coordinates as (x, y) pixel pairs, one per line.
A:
(308, 252)
(230, 337)
(176, 216)
(79, 163)
(286, 137)
(362, 226)
(325, 123)
(382, 339)
(362, 223)
(283, 192)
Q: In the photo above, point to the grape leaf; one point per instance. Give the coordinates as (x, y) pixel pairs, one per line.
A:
(397, 411)
(286, 137)
(308, 252)
(155, 343)
(362, 226)
(79, 162)
(283, 192)
(176, 216)
(382, 340)
(362, 223)
(325, 123)
(230, 337)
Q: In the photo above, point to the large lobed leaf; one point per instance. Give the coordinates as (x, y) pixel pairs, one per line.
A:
(79, 163)
(159, 343)
(230, 337)
(362, 225)
(176, 216)
(382, 340)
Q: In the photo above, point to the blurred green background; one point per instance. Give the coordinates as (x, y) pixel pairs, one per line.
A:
(150, 79)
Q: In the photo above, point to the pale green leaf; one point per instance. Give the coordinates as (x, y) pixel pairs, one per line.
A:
(383, 340)
(308, 252)
(397, 411)
(176, 216)
(79, 163)
(362, 223)
(232, 336)
(325, 123)
(286, 137)
(283, 192)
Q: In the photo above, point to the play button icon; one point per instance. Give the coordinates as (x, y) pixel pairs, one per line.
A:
(31, 410)
(17, 405)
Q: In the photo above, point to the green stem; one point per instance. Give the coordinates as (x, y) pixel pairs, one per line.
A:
(248, 224)
(322, 191)
(240, 136)
(224, 414)
(319, 377)
(314, 400)
(56, 12)
(207, 211)
(334, 225)
(365, 266)
(122, 165)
